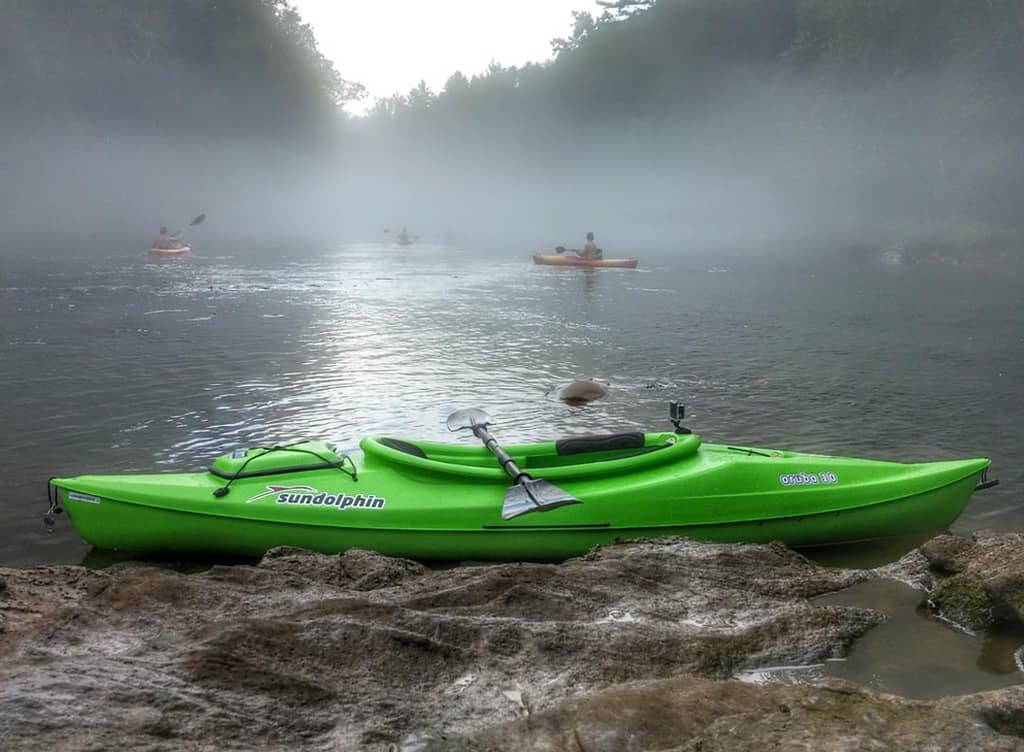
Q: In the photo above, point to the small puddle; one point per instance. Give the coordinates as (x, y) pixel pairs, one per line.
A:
(912, 653)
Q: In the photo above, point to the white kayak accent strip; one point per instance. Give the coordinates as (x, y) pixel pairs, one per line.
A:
(87, 498)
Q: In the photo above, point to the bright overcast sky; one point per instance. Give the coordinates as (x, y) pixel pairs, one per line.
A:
(389, 45)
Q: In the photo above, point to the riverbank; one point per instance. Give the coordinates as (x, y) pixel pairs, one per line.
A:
(630, 647)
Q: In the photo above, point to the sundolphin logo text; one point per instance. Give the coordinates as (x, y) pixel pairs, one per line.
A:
(309, 495)
(272, 490)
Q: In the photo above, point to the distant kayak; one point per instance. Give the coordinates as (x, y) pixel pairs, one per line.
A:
(170, 251)
(626, 263)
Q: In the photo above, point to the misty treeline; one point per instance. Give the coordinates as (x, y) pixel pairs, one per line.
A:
(228, 66)
(674, 119)
(129, 114)
(895, 117)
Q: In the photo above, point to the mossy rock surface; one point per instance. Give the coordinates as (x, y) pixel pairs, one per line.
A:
(964, 601)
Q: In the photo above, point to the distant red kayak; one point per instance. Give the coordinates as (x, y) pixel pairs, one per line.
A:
(626, 263)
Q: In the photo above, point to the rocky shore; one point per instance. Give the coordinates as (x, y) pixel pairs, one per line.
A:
(633, 647)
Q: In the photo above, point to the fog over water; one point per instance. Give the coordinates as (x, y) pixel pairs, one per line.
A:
(794, 126)
(750, 174)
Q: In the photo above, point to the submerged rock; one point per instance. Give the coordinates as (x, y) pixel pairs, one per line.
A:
(366, 651)
(581, 392)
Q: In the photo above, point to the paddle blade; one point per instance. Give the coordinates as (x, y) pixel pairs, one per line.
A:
(198, 220)
(471, 417)
(534, 495)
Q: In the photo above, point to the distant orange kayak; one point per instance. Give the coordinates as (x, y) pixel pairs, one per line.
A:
(626, 263)
(170, 251)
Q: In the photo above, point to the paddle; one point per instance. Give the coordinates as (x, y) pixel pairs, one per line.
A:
(200, 218)
(528, 494)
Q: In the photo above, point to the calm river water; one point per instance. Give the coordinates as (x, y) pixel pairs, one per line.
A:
(111, 362)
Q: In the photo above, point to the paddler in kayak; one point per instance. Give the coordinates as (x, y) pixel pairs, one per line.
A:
(590, 250)
(168, 242)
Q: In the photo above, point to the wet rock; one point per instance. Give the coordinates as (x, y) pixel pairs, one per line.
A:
(29, 595)
(691, 713)
(358, 569)
(912, 569)
(964, 601)
(988, 584)
(1002, 711)
(944, 552)
(581, 392)
(366, 651)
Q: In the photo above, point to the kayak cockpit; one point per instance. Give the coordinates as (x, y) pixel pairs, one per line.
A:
(586, 456)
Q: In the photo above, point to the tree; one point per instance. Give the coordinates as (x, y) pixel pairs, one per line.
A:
(420, 97)
(620, 9)
(456, 85)
(583, 26)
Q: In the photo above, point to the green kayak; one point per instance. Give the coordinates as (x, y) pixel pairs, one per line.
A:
(441, 501)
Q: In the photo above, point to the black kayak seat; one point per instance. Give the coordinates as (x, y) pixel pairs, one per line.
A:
(606, 443)
(402, 446)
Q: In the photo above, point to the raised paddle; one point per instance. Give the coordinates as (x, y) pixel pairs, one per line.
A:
(200, 218)
(528, 494)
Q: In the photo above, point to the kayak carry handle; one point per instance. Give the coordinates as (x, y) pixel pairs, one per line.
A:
(984, 482)
(53, 497)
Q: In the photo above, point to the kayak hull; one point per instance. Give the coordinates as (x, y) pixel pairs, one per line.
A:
(133, 527)
(626, 263)
(170, 251)
(399, 504)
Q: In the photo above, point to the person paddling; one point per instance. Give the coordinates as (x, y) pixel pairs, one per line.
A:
(168, 242)
(590, 250)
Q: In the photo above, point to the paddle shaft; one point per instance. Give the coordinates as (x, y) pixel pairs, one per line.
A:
(507, 463)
